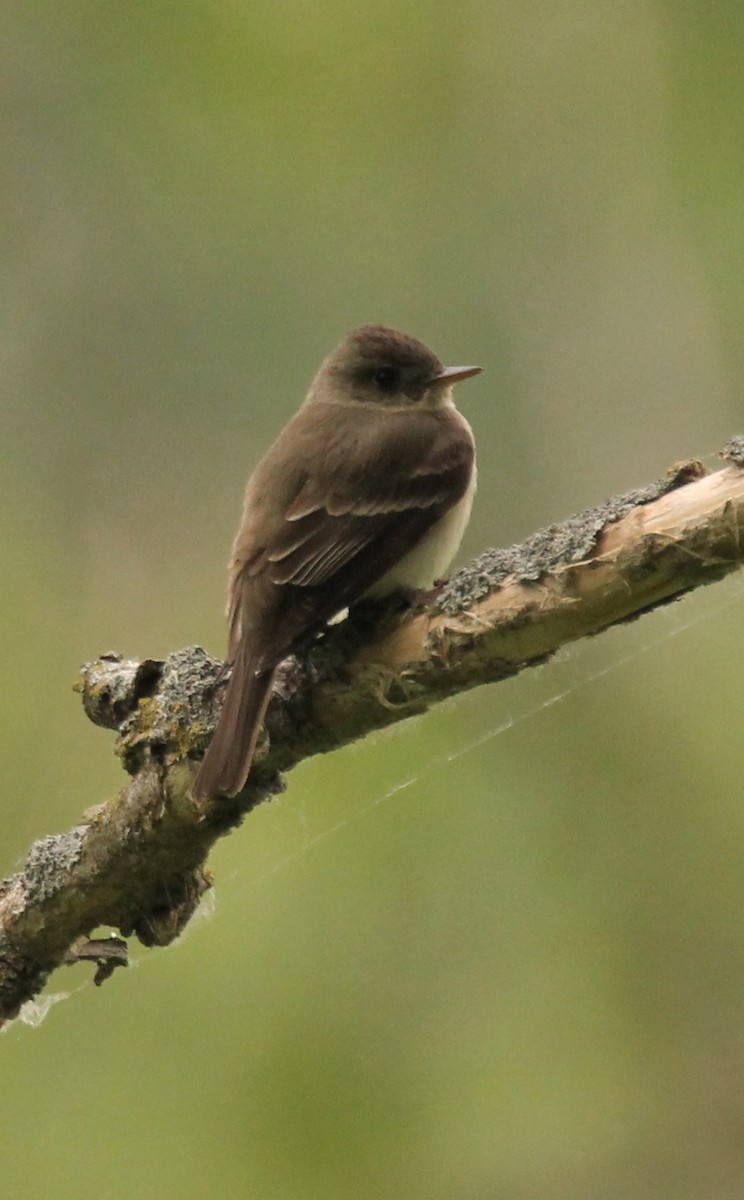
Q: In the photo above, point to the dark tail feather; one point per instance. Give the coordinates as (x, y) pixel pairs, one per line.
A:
(227, 762)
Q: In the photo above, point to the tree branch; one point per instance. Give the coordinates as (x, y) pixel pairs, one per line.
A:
(137, 863)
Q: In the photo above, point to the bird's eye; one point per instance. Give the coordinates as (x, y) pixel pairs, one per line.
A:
(387, 379)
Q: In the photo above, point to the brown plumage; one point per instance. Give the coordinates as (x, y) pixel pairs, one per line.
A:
(367, 489)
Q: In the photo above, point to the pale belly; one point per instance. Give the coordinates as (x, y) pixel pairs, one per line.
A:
(431, 558)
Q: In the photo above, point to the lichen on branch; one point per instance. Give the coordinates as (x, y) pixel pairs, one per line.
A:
(137, 863)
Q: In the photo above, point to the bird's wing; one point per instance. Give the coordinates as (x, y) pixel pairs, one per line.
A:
(345, 517)
(351, 525)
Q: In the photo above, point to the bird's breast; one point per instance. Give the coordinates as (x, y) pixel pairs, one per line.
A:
(430, 558)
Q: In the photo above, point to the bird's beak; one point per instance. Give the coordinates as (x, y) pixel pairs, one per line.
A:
(455, 374)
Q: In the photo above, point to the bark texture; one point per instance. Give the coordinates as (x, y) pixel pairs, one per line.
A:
(138, 862)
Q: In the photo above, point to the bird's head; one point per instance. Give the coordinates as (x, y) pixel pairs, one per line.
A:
(374, 365)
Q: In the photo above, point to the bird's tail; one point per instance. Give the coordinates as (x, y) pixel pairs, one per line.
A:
(225, 766)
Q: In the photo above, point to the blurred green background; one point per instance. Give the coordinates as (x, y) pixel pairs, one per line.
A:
(497, 952)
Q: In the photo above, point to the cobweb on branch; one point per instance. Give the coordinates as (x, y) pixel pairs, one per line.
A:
(574, 674)
(571, 670)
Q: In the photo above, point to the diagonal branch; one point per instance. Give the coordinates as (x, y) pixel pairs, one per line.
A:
(137, 863)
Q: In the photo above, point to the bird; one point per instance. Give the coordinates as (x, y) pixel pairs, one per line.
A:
(366, 492)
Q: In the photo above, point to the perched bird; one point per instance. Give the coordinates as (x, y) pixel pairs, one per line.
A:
(366, 491)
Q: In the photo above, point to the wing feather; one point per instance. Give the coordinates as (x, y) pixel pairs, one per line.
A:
(350, 513)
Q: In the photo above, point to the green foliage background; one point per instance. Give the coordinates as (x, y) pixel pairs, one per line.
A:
(497, 952)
